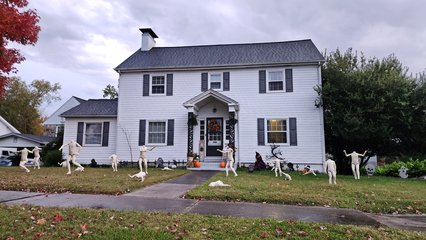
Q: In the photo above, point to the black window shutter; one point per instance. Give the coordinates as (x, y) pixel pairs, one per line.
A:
(169, 85)
(293, 132)
(204, 82)
(226, 83)
(145, 85)
(261, 131)
(142, 129)
(289, 80)
(170, 132)
(80, 131)
(105, 134)
(262, 81)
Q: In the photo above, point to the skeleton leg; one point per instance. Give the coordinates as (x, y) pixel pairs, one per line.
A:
(140, 164)
(334, 177)
(226, 167)
(357, 171)
(69, 164)
(79, 167)
(353, 170)
(22, 165)
(330, 177)
(145, 163)
(231, 165)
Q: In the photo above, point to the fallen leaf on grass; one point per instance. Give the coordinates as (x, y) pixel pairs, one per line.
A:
(41, 221)
(278, 231)
(58, 217)
(302, 233)
(38, 235)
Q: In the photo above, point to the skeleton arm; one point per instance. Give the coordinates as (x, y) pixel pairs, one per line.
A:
(347, 155)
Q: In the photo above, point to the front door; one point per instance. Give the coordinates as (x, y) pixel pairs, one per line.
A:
(214, 136)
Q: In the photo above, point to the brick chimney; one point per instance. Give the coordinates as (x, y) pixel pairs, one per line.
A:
(148, 36)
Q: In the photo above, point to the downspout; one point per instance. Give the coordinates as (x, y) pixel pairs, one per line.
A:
(321, 121)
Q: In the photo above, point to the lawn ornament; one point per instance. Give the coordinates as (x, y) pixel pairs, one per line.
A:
(222, 164)
(159, 163)
(114, 162)
(36, 152)
(24, 158)
(218, 183)
(276, 165)
(63, 163)
(370, 169)
(403, 172)
(307, 170)
(331, 171)
(197, 164)
(73, 151)
(140, 175)
(355, 162)
(142, 157)
(228, 154)
(259, 164)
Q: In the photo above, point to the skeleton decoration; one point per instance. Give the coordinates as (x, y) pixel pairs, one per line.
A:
(331, 171)
(228, 154)
(308, 170)
(403, 172)
(36, 152)
(140, 175)
(73, 151)
(355, 162)
(276, 163)
(114, 162)
(370, 169)
(218, 183)
(143, 149)
(24, 158)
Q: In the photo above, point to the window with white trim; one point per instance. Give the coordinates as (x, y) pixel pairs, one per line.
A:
(277, 131)
(157, 132)
(93, 133)
(216, 81)
(275, 81)
(158, 85)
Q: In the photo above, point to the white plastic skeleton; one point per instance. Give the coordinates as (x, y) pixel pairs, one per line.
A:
(228, 154)
(73, 151)
(142, 157)
(36, 152)
(331, 171)
(140, 175)
(355, 162)
(24, 158)
(276, 163)
(114, 162)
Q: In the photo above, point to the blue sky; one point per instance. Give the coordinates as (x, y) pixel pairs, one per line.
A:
(81, 41)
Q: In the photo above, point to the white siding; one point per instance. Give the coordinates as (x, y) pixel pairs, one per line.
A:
(244, 88)
(15, 142)
(99, 153)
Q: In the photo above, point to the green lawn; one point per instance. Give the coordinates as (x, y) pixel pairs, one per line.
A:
(28, 222)
(92, 180)
(369, 194)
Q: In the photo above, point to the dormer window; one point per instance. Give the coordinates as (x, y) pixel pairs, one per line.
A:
(158, 85)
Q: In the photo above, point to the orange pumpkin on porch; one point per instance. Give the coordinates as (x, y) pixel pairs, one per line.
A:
(222, 164)
(197, 164)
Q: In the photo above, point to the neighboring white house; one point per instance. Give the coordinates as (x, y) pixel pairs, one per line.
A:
(248, 95)
(6, 127)
(55, 122)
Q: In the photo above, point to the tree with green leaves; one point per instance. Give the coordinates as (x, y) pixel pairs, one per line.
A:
(110, 91)
(367, 105)
(21, 103)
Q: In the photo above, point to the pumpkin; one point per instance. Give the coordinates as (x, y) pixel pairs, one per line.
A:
(222, 164)
(197, 164)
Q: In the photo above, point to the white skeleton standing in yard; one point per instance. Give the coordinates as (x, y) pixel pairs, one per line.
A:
(72, 155)
(276, 163)
(228, 154)
(355, 162)
(143, 149)
(331, 171)
(36, 152)
(114, 162)
(24, 158)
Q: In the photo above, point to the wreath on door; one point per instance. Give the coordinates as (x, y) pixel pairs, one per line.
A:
(213, 126)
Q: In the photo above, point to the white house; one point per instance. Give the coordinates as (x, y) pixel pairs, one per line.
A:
(55, 122)
(198, 98)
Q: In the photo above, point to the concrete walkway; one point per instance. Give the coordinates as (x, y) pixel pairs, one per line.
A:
(165, 197)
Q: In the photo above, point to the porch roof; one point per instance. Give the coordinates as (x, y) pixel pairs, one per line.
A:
(208, 96)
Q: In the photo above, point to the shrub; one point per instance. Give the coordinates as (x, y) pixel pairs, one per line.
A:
(416, 168)
(52, 158)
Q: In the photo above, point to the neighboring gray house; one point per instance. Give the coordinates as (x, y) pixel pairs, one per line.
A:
(54, 122)
(248, 95)
(6, 127)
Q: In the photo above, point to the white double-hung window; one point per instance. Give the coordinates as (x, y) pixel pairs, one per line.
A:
(275, 81)
(277, 131)
(157, 132)
(93, 133)
(158, 85)
(216, 81)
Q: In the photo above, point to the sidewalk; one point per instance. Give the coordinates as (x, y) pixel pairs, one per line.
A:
(165, 197)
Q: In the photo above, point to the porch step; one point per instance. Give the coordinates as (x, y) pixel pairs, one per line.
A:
(208, 166)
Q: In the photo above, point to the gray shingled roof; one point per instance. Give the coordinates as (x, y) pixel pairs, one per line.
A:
(302, 51)
(93, 108)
